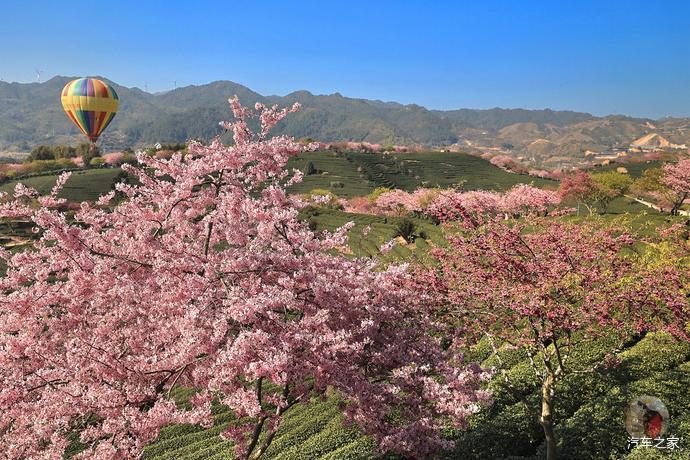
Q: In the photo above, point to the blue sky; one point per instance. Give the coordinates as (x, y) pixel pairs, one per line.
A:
(602, 57)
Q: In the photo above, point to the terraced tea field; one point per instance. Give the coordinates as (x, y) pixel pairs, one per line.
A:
(591, 410)
(82, 186)
(309, 431)
(351, 173)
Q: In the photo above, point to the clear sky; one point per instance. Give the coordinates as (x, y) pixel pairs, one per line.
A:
(630, 57)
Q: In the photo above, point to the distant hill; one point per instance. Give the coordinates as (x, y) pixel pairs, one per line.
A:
(30, 114)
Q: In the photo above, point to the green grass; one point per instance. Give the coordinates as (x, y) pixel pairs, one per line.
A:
(84, 185)
(360, 173)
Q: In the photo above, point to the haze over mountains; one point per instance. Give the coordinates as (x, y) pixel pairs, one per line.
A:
(31, 114)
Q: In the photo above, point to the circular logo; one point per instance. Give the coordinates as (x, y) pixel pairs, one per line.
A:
(646, 417)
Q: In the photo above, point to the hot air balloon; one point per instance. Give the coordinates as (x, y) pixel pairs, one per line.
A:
(91, 104)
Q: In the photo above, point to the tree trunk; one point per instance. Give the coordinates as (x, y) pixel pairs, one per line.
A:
(546, 418)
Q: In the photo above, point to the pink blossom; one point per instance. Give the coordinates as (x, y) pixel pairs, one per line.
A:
(397, 202)
(525, 198)
(677, 178)
(205, 277)
(502, 161)
(113, 158)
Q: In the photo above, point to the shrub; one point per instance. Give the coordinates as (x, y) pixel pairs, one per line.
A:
(407, 230)
(309, 169)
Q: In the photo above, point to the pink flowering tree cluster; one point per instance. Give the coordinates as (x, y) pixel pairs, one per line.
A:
(543, 173)
(452, 205)
(523, 199)
(550, 289)
(503, 162)
(520, 200)
(356, 146)
(445, 205)
(595, 191)
(359, 205)
(204, 277)
(397, 202)
(400, 202)
(676, 179)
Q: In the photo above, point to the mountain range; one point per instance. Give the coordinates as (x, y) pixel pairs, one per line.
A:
(31, 114)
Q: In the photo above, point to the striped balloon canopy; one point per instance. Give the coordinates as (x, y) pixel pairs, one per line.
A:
(91, 104)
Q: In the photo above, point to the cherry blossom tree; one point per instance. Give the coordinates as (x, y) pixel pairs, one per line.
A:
(520, 200)
(359, 205)
(556, 287)
(543, 173)
(580, 187)
(523, 199)
(676, 177)
(502, 161)
(400, 202)
(203, 277)
(595, 190)
(452, 205)
(397, 202)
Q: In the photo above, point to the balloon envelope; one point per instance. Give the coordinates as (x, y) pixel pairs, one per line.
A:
(91, 104)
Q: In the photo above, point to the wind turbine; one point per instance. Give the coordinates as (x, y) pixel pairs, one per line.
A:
(38, 75)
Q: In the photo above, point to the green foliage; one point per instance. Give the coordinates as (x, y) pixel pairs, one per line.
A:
(88, 152)
(129, 158)
(54, 152)
(309, 169)
(650, 181)
(376, 193)
(382, 230)
(635, 169)
(607, 186)
(96, 162)
(42, 152)
(175, 147)
(617, 182)
(407, 230)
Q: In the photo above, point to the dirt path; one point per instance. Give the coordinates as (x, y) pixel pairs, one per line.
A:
(653, 206)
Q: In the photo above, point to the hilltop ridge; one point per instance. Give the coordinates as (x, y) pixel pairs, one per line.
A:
(30, 114)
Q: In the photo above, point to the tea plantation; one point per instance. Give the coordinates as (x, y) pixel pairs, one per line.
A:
(350, 174)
